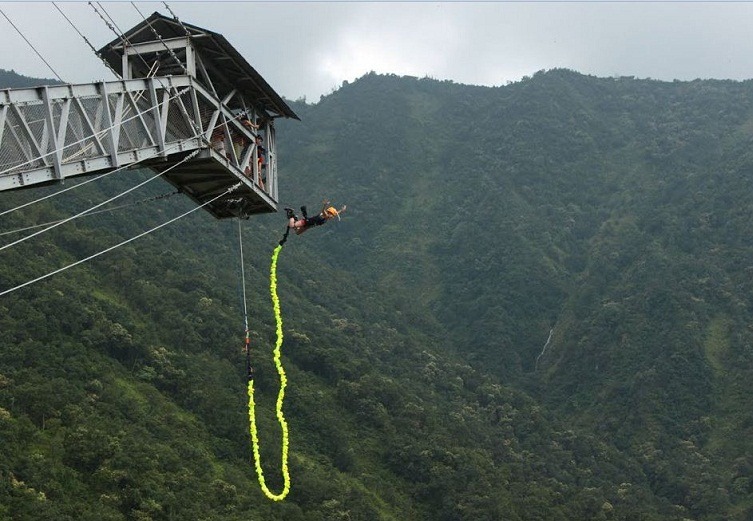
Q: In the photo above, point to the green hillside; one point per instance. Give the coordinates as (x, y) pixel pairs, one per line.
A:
(610, 216)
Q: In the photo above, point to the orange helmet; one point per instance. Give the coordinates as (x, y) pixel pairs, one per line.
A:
(330, 212)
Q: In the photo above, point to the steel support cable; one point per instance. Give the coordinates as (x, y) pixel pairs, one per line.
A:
(159, 37)
(247, 339)
(31, 45)
(94, 50)
(122, 243)
(104, 210)
(108, 24)
(110, 18)
(121, 194)
(49, 196)
(175, 17)
(243, 277)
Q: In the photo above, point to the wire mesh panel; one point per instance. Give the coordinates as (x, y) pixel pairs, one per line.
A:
(78, 143)
(34, 117)
(18, 148)
(137, 126)
(179, 123)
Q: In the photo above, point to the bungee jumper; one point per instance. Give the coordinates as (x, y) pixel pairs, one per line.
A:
(301, 225)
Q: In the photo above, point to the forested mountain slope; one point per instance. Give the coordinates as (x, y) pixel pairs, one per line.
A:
(613, 213)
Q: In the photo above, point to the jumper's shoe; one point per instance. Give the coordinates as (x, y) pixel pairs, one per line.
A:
(304, 213)
(289, 212)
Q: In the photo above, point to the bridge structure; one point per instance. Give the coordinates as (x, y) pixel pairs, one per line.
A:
(187, 104)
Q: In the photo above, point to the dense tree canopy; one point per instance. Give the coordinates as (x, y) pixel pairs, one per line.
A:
(537, 306)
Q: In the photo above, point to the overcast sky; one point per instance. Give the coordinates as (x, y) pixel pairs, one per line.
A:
(309, 48)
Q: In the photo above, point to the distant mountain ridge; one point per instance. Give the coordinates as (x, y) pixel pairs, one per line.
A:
(12, 80)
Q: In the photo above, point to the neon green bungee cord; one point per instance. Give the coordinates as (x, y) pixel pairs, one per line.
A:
(280, 397)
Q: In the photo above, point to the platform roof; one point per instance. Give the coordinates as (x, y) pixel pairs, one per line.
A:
(227, 68)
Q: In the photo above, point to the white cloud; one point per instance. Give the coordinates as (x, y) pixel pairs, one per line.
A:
(309, 48)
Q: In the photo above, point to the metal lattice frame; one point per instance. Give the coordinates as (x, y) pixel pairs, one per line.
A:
(54, 132)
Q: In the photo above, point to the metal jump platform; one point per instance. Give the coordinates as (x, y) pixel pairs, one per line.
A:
(183, 90)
